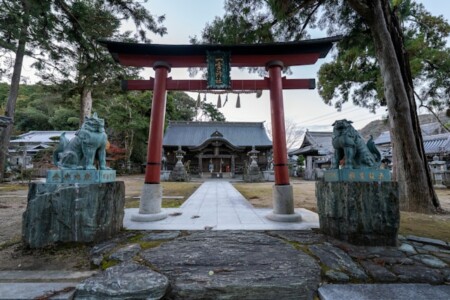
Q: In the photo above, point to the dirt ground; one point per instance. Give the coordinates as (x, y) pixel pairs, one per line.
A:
(13, 201)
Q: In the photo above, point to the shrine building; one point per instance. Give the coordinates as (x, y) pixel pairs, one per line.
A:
(222, 146)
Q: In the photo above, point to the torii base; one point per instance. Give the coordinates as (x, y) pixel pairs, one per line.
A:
(283, 205)
(150, 204)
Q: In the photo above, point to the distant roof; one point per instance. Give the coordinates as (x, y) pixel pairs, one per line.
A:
(429, 129)
(239, 134)
(432, 144)
(318, 142)
(436, 143)
(383, 138)
(432, 128)
(41, 136)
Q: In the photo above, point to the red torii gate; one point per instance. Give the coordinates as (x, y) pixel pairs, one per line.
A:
(218, 59)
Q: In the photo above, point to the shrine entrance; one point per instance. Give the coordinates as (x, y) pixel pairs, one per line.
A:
(218, 59)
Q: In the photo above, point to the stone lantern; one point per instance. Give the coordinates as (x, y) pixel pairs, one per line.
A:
(438, 168)
(179, 171)
(253, 172)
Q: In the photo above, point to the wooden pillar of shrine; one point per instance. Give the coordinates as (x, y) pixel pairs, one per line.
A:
(151, 197)
(283, 198)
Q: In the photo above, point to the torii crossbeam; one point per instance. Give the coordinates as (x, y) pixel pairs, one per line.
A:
(218, 59)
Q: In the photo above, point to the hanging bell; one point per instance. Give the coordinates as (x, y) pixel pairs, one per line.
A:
(219, 102)
(198, 100)
(238, 102)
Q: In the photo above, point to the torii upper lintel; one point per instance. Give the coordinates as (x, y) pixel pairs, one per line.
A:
(305, 52)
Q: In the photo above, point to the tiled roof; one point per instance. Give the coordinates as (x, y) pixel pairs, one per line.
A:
(429, 129)
(315, 141)
(195, 133)
(432, 143)
(436, 143)
(41, 136)
(383, 138)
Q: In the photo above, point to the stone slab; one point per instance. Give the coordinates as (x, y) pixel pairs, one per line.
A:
(37, 290)
(42, 276)
(234, 265)
(124, 281)
(384, 291)
(357, 175)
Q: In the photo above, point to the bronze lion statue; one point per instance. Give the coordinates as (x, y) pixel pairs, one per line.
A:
(88, 144)
(349, 146)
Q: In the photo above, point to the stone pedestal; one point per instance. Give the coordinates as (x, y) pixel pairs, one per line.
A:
(283, 205)
(72, 213)
(80, 176)
(362, 213)
(150, 204)
(179, 173)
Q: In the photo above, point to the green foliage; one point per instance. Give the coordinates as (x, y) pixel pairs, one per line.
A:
(30, 118)
(180, 107)
(64, 119)
(354, 73)
(210, 113)
(4, 90)
(108, 263)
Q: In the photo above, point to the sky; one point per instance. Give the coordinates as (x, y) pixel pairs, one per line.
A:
(304, 107)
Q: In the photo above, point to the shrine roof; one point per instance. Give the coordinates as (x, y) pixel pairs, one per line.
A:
(37, 137)
(239, 134)
(318, 142)
(194, 55)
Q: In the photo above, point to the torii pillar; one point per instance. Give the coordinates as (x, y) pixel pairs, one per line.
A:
(151, 196)
(283, 197)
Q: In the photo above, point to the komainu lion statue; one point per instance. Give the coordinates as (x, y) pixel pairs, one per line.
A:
(350, 146)
(88, 144)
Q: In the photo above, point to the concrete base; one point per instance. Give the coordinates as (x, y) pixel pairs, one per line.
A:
(284, 218)
(150, 204)
(283, 205)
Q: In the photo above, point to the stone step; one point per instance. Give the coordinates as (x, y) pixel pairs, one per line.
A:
(40, 284)
(384, 291)
(37, 290)
(44, 276)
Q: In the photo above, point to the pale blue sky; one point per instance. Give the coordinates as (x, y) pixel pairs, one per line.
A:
(188, 18)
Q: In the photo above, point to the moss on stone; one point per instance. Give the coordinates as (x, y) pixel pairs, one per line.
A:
(108, 263)
(150, 244)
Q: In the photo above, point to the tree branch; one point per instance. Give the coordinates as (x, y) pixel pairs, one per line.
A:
(431, 111)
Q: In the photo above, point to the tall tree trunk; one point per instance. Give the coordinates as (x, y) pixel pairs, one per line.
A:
(416, 188)
(5, 133)
(85, 103)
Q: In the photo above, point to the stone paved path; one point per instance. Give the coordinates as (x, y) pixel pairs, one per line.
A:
(217, 205)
